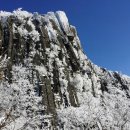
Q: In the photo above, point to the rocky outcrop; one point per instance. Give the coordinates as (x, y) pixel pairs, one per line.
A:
(49, 83)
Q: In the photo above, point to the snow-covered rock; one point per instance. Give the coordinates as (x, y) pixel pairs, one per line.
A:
(48, 83)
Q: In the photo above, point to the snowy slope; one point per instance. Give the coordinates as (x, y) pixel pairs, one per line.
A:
(48, 83)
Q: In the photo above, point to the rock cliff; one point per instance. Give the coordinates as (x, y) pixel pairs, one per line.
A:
(48, 83)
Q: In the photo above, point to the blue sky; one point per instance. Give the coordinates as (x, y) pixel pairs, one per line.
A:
(103, 26)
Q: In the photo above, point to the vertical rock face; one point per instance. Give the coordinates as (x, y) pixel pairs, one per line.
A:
(48, 83)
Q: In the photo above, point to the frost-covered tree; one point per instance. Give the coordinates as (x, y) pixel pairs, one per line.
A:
(3, 65)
